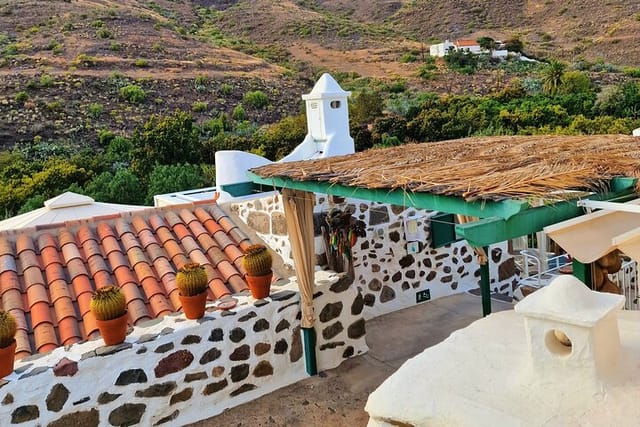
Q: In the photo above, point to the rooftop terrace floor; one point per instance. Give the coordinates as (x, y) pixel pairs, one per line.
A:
(337, 397)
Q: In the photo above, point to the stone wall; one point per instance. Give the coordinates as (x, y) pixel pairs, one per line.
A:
(174, 371)
(385, 273)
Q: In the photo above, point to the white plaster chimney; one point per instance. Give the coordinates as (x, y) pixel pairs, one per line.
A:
(572, 334)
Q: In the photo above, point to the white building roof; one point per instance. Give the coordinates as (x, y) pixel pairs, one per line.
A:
(65, 207)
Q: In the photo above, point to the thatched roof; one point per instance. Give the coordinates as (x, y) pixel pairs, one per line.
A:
(487, 168)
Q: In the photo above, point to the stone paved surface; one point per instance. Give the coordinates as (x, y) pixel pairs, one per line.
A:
(337, 397)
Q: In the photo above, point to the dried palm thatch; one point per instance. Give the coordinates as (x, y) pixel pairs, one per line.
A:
(487, 168)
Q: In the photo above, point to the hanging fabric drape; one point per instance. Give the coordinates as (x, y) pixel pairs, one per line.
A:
(298, 210)
(481, 255)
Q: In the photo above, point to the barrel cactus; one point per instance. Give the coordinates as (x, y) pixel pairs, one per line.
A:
(257, 260)
(8, 328)
(191, 279)
(108, 303)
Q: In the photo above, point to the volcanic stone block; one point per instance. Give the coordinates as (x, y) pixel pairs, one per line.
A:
(281, 346)
(278, 224)
(387, 294)
(259, 221)
(249, 315)
(105, 397)
(191, 339)
(239, 372)
(157, 390)
(168, 418)
(210, 356)
(348, 352)
(57, 397)
(241, 353)
(196, 376)
(174, 362)
(282, 325)
(216, 335)
(24, 413)
(89, 418)
(358, 305)
(375, 285)
(243, 389)
(237, 334)
(215, 387)
(330, 311)
(164, 348)
(131, 376)
(332, 330)
(181, 396)
(296, 345)
(263, 369)
(128, 414)
(261, 348)
(406, 261)
(261, 325)
(65, 368)
(356, 329)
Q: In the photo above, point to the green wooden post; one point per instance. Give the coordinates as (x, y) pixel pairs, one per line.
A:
(485, 285)
(309, 340)
(582, 272)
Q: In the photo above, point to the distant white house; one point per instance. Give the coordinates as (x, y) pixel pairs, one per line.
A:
(472, 46)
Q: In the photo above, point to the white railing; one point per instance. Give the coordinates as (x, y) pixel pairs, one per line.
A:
(627, 281)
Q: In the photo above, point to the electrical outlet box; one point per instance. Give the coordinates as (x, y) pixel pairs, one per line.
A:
(423, 295)
(413, 247)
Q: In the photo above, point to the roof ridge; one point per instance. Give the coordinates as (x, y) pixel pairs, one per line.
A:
(93, 221)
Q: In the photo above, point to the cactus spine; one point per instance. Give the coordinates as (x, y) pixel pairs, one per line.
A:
(257, 260)
(191, 279)
(108, 303)
(8, 328)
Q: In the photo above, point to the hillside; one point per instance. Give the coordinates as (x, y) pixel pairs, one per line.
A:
(64, 63)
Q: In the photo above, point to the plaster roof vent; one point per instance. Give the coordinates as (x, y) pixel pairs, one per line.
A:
(572, 332)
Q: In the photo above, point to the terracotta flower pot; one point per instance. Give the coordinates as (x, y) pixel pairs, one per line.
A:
(260, 286)
(7, 357)
(193, 306)
(113, 331)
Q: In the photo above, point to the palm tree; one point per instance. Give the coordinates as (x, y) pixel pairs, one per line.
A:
(552, 77)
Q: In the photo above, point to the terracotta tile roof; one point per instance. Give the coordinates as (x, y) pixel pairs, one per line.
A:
(466, 43)
(48, 274)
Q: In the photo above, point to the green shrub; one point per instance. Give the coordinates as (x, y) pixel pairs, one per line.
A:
(95, 110)
(226, 88)
(256, 99)
(133, 94)
(84, 60)
(199, 106)
(141, 63)
(632, 71)
(239, 113)
(408, 57)
(104, 33)
(202, 80)
(115, 47)
(46, 80)
(171, 178)
(21, 96)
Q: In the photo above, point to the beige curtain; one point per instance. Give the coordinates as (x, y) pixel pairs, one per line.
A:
(481, 255)
(298, 210)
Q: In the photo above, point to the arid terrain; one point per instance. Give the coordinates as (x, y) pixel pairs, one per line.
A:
(59, 58)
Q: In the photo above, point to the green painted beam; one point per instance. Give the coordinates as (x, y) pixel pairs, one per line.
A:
(485, 286)
(493, 230)
(309, 341)
(457, 205)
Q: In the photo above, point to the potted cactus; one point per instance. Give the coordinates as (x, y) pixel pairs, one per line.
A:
(257, 262)
(109, 307)
(192, 284)
(8, 329)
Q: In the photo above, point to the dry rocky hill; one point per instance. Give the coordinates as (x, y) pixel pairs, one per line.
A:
(63, 63)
